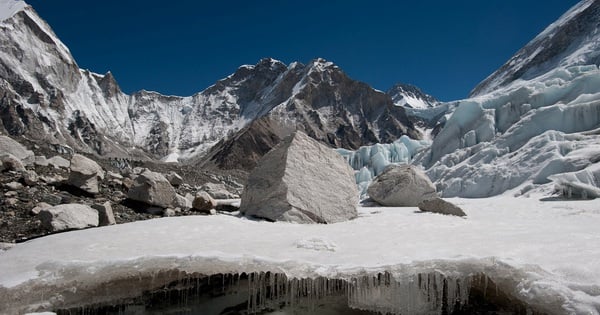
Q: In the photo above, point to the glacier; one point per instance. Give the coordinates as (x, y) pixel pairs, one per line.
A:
(543, 253)
(370, 161)
(519, 135)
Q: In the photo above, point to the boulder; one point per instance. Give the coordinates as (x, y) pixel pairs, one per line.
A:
(59, 162)
(40, 161)
(203, 202)
(401, 186)
(68, 217)
(218, 191)
(182, 202)
(39, 207)
(105, 214)
(14, 186)
(11, 163)
(152, 188)
(85, 174)
(439, 205)
(12, 147)
(30, 178)
(174, 179)
(169, 212)
(303, 181)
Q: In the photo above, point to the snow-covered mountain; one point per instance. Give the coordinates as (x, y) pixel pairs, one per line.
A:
(572, 40)
(534, 121)
(410, 96)
(46, 96)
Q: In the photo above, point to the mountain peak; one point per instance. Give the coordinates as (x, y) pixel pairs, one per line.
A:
(321, 64)
(8, 8)
(408, 95)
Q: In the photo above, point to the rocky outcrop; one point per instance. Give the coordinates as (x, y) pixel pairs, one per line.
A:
(439, 205)
(68, 217)
(401, 186)
(301, 181)
(85, 174)
(152, 188)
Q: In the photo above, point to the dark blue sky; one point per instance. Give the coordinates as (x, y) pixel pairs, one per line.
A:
(182, 47)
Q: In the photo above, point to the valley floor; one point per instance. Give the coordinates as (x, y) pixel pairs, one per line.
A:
(547, 251)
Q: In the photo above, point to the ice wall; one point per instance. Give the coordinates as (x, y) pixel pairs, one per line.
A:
(525, 132)
(370, 161)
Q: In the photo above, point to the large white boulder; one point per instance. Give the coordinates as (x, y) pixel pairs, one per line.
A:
(303, 181)
(152, 188)
(68, 217)
(85, 174)
(401, 186)
(12, 147)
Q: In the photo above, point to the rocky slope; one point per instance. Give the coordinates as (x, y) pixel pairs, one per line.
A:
(45, 96)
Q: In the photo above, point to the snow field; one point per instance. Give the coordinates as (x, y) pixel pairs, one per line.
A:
(547, 250)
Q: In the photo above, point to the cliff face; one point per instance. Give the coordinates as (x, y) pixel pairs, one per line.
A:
(45, 96)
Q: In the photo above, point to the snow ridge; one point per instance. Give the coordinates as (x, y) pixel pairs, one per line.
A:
(9, 8)
(574, 39)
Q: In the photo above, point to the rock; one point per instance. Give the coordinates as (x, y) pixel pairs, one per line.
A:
(40, 161)
(127, 182)
(182, 202)
(174, 179)
(51, 199)
(212, 212)
(169, 212)
(228, 205)
(85, 174)
(438, 205)
(14, 186)
(301, 181)
(12, 147)
(1, 166)
(401, 186)
(53, 179)
(155, 211)
(59, 162)
(218, 191)
(11, 163)
(11, 201)
(105, 214)
(39, 207)
(30, 178)
(11, 193)
(203, 202)
(113, 175)
(152, 188)
(68, 217)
